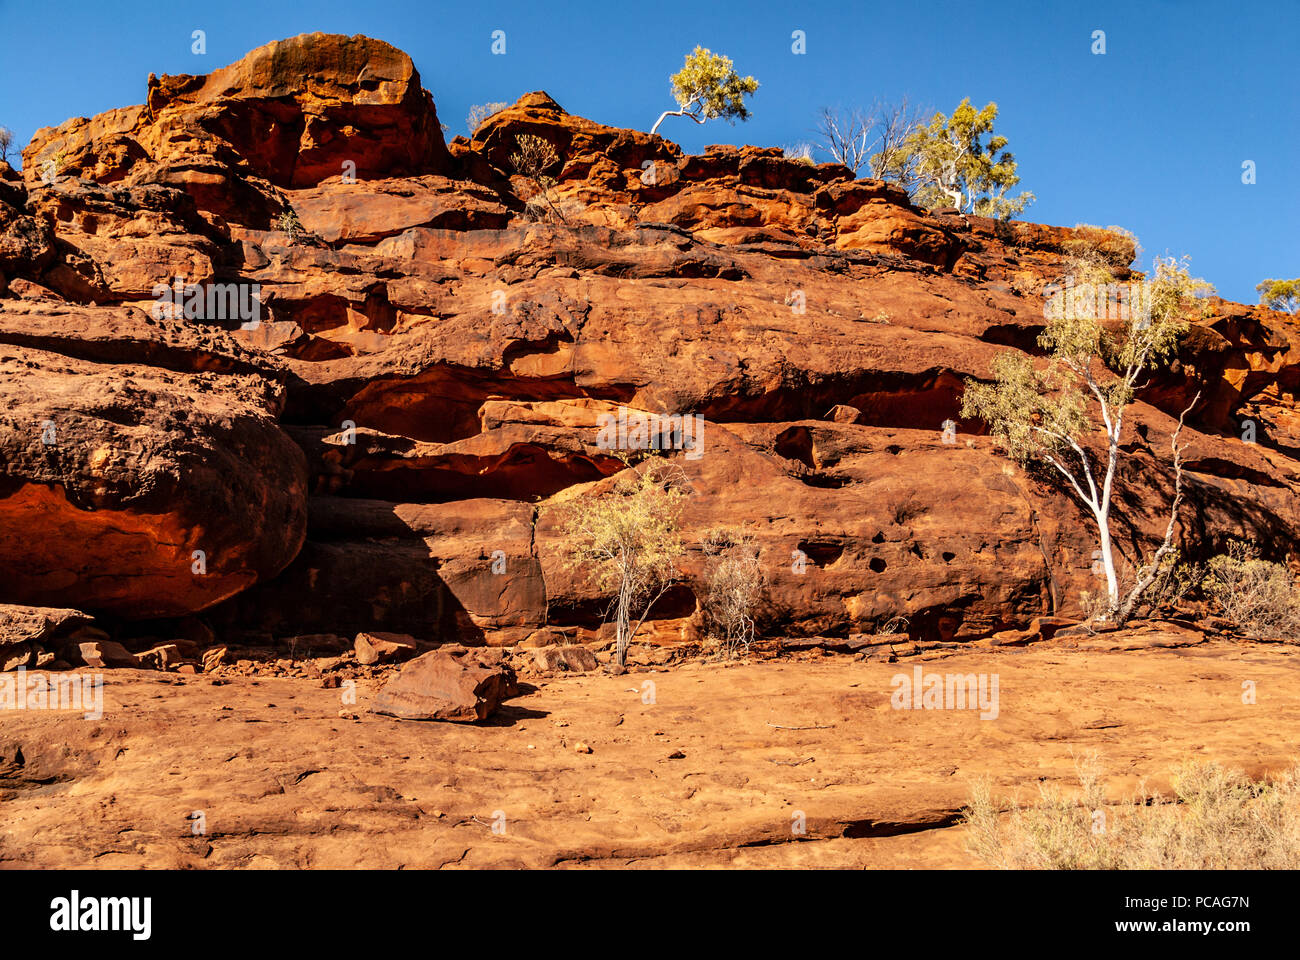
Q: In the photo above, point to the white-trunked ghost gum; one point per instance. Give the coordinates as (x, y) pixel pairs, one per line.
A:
(21, 690)
(636, 430)
(75, 913)
(951, 691)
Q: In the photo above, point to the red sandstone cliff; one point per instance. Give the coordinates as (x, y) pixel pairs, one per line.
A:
(822, 327)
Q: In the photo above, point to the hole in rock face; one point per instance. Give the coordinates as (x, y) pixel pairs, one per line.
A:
(924, 404)
(879, 537)
(1022, 337)
(949, 556)
(795, 443)
(877, 565)
(822, 552)
(525, 473)
(438, 405)
(823, 481)
(677, 603)
(885, 398)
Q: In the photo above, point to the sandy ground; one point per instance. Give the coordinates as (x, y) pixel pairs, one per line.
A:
(693, 766)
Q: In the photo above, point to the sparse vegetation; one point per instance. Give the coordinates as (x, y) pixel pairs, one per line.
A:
(480, 112)
(1281, 295)
(736, 582)
(951, 163)
(289, 224)
(533, 161)
(627, 541)
(1258, 596)
(1050, 415)
(6, 143)
(1216, 819)
(1091, 249)
(709, 88)
(875, 139)
(800, 152)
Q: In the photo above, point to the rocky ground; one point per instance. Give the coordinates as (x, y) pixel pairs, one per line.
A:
(582, 771)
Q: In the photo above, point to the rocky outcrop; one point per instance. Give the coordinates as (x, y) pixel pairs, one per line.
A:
(144, 473)
(26, 633)
(384, 449)
(289, 114)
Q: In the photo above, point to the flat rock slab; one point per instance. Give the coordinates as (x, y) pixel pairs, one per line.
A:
(706, 772)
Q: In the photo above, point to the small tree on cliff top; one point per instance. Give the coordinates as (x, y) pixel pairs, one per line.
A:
(1280, 295)
(707, 88)
(627, 541)
(1095, 363)
(952, 162)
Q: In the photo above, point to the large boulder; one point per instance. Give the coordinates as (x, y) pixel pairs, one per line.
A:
(142, 472)
(27, 633)
(441, 686)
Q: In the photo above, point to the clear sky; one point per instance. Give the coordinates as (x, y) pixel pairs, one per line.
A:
(1151, 135)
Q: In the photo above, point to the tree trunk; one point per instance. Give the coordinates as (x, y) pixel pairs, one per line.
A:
(1108, 561)
(624, 624)
(662, 117)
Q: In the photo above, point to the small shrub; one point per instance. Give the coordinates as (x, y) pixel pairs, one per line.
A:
(6, 143)
(1258, 596)
(800, 152)
(531, 161)
(289, 224)
(736, 584)
(627, 541)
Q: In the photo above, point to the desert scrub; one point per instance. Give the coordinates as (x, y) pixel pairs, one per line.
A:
(736, 584)
(533, 159)
(289, 224)
(1258, 596)
(627, 540)
(1216, 819)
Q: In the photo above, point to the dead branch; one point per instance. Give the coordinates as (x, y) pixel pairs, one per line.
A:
(1148, 573)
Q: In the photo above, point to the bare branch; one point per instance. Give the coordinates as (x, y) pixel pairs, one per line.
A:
(1150, 571)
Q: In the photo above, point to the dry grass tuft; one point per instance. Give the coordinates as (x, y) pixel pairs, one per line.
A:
(1216, 819)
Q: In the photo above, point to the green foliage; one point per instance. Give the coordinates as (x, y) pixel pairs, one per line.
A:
(1095, 360)
(627, 540)
(289, 224)
(1256, 595)
(1035, 413)
(952, 163)
(709, 88)
(1041, 413)
(1281, 295)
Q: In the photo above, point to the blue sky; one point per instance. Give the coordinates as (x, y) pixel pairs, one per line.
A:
(1151, 135)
